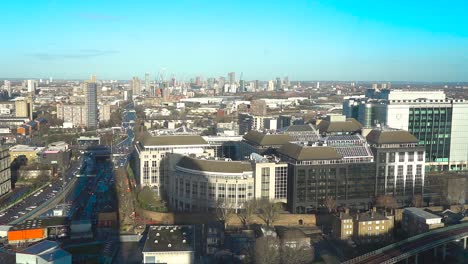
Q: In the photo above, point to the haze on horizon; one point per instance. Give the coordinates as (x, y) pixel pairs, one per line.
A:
(305, 40)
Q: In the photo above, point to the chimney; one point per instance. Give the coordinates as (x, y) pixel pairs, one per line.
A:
(341, 215)
(346, 210)
(374, 209)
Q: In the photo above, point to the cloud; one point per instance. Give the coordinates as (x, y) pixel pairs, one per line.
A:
(97, 16)
(78, 54)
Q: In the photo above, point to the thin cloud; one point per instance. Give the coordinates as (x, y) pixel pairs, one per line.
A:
(98, 16)
(79, 54)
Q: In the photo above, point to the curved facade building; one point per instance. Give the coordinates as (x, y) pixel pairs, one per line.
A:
(198, 184)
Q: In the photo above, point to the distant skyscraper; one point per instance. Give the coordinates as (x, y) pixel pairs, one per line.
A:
(271, 85)
(7, 86)
(136, 86)
(24, 107)
(374, 86)
(318, 85)
(232, 77)
(278, 84)
(287, 84)
(384, 86)
(147, 85)
(31, 86)
(91, 104)
(257, 86)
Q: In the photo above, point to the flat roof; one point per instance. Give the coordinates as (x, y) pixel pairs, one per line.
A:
(421, 213)
(173, 140)
(41, 247)
(41, 223)
(214, 165)
(170, 238)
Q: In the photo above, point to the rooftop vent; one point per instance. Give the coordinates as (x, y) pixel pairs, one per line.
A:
(184, 241)
(155, 241)
(169, 245)
(172, 231)
(157, 234)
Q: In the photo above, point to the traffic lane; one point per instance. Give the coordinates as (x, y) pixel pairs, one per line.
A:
(41, 196)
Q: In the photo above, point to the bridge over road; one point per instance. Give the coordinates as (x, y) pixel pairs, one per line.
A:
(411, 247)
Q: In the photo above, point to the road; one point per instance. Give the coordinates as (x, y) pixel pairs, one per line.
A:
(29, 205)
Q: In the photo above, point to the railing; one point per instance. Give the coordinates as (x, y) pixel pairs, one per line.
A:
(400, 243)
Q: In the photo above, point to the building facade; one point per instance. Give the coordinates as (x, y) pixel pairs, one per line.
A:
(91, 105)
(153, 162)
(400, 160)
(5, 173)
(76, 114)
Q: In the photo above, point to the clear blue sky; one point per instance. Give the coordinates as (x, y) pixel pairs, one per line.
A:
(306, 40)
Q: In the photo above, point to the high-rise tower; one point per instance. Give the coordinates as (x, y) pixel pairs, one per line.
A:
(91, 103)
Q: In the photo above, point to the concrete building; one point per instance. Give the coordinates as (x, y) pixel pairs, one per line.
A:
(76, 114)
(170, 245)
(400, 169)
(91, 105)
(44, 252)
(436, 121)
(199, 184)
(105, 111)
(135, 84)
(270, 178)
(24, 107)
(5, 173)
(32, 86)
(152, 161)
(416, 221)
(262, 143)
(340, 167)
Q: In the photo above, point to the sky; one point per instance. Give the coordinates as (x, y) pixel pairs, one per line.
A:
(364, 40)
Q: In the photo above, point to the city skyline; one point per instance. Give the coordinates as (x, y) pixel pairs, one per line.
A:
(307, 40)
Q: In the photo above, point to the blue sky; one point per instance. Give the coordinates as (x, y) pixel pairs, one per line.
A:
(305, 40)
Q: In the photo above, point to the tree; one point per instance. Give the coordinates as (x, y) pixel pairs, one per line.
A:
(417, 200)
(386, 201)
(248, 210)
(296, 255)
(330, 204)
(269, 211)
(266, 250)
(224, 211)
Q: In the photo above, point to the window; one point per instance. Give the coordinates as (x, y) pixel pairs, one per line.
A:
(420, 155)
(401, 156)
(411, 156)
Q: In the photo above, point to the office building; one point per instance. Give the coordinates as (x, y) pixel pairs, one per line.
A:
(5, 173)
(436, 121)
(232, 78)
(270, 178)
(91, 105)
(340, 167)
(262, 143)
(152, 161)
(278, 84)
(399, 158)
(199, 183)
(170, 245)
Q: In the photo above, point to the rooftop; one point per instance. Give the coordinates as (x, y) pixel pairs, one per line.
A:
(41, 247)
(173, 140)
(214, 165)
(421, 213)
(390, 137)
(41, 223)
(169, 238)
(350, 125)
(370, 216)
(300, 152)
(261, 139)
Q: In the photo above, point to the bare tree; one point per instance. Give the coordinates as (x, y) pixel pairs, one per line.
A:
(224, 211)
(330, 204)
(269, 211)
(266, 250)
(417, 200)
(249, 209)
(296, 255)
(386, 201)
